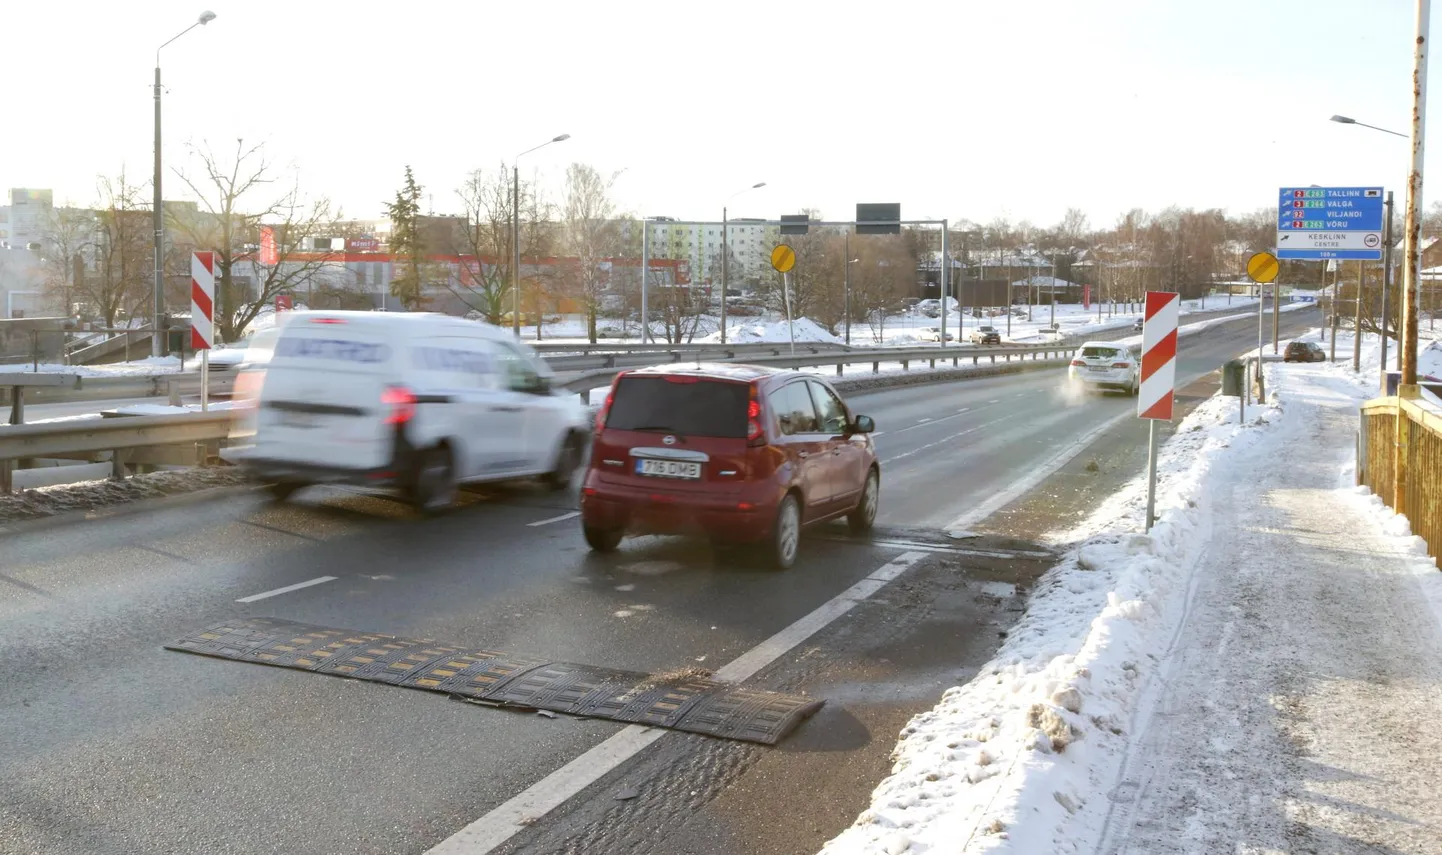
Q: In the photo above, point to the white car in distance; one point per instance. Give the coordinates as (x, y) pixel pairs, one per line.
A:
(1105, 365)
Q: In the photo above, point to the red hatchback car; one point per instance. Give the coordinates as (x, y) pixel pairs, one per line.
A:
(737, 452)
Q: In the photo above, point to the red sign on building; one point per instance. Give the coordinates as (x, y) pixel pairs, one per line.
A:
(284, 302)
(362, 244)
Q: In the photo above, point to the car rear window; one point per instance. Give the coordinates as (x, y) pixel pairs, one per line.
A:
(1099, 352)
(682, 405)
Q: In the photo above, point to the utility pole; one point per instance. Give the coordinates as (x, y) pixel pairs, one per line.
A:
(1413, 226)
(645, 277)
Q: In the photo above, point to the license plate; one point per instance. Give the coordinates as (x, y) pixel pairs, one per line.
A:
(668, 469)
(1098, 368)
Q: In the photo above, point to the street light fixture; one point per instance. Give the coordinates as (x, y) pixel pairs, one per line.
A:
(1386, 265)
(158, 215)
(726, 251)
(516, 235)
(1347, 120)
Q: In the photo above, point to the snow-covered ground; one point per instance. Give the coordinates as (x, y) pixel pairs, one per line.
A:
(1143, 702)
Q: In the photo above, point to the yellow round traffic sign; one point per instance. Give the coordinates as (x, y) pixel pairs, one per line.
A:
(1263, 267)
(783, 258)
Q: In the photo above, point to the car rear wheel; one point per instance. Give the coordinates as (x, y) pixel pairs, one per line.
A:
(282, 490)
(602, 539)
(433, 486)
(864, 516)
(785, 534)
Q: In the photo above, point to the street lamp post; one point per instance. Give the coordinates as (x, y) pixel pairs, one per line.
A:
(849, 261)
(516, 234)
(726, 251)
(158, 215)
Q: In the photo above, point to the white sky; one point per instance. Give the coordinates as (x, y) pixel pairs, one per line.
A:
(958, 108)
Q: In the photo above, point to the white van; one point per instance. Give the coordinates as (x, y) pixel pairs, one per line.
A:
(414, 401)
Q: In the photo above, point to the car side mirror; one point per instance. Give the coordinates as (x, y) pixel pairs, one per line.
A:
(863, 424)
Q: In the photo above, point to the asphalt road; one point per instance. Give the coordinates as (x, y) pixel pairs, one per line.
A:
(112, 744)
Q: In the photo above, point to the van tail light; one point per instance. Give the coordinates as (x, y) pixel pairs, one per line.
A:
(1121, 365)
(755, 435)
(327, 320)
(402, 404)
(1078, 363)
(246, 391)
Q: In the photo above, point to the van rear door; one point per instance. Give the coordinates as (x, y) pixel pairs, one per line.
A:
(322, 398)
(675, 433)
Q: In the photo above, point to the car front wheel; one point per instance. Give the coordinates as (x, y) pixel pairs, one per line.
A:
(864, 516)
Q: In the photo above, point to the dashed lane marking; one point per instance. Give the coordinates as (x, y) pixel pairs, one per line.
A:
(562, 518)
(319, 580)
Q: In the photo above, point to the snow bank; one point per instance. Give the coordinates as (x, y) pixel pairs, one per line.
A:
(805, 330)
(146, 367)
(1018, 760)
(91, 495)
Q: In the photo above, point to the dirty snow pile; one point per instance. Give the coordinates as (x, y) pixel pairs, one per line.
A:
(1019, 759)
(136, 368)
(93, 495)
(806, 330)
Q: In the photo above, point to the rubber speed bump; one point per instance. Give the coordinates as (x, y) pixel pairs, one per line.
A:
(679, 701)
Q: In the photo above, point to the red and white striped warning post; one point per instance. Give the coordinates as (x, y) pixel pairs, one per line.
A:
(1159, 379)
(1159, 356)
(202, 316)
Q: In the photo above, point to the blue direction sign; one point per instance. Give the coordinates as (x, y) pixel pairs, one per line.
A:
(1317, 223)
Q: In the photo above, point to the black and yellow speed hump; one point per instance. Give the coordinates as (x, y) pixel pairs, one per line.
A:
(679, 702)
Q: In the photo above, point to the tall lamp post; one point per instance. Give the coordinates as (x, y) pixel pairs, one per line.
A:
(1386, 260)
(849, 261)
(158, 215)
(516, 233)
(726, 251)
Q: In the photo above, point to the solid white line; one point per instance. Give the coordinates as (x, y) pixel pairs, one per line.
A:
(503, 823)
(562, 518)
(287, 589)
(1035, 476)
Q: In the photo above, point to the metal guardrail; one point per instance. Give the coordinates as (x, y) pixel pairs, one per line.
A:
(1402, 436)
(117, 436)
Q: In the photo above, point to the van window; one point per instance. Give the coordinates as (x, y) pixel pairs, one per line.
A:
(517, 371)
(795, 410)
(681, 405)
(331, 347)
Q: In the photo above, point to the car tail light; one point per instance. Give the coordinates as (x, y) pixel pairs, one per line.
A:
(248, 384)
(754, 433)
(606, 405)
(1079, 363)
(402, 403)
(681, 378)
(1121, 365)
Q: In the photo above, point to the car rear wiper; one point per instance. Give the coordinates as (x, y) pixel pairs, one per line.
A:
(663, 428)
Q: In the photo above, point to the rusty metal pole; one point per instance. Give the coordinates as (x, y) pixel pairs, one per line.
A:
(1408, 380)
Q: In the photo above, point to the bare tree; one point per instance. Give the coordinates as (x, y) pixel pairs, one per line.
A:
(68, 236)
(235, 200)
(882, 277)
(485, 277)
(591, 235)
(124, 258)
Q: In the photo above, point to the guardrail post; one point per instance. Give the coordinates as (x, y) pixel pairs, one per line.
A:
(933, 363)
(975, 360)
(117, 465)
(905, 365)
(1008, 357)
(838, 369)
(876, 368)
(6, 483)
(993, 359)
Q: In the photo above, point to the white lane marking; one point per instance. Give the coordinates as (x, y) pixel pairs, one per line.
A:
(503, 823)
(562, 518)
(287, 589)
(1038, 474)
(923, 421)
(874, 435)
(997, 401)
(929, 421)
